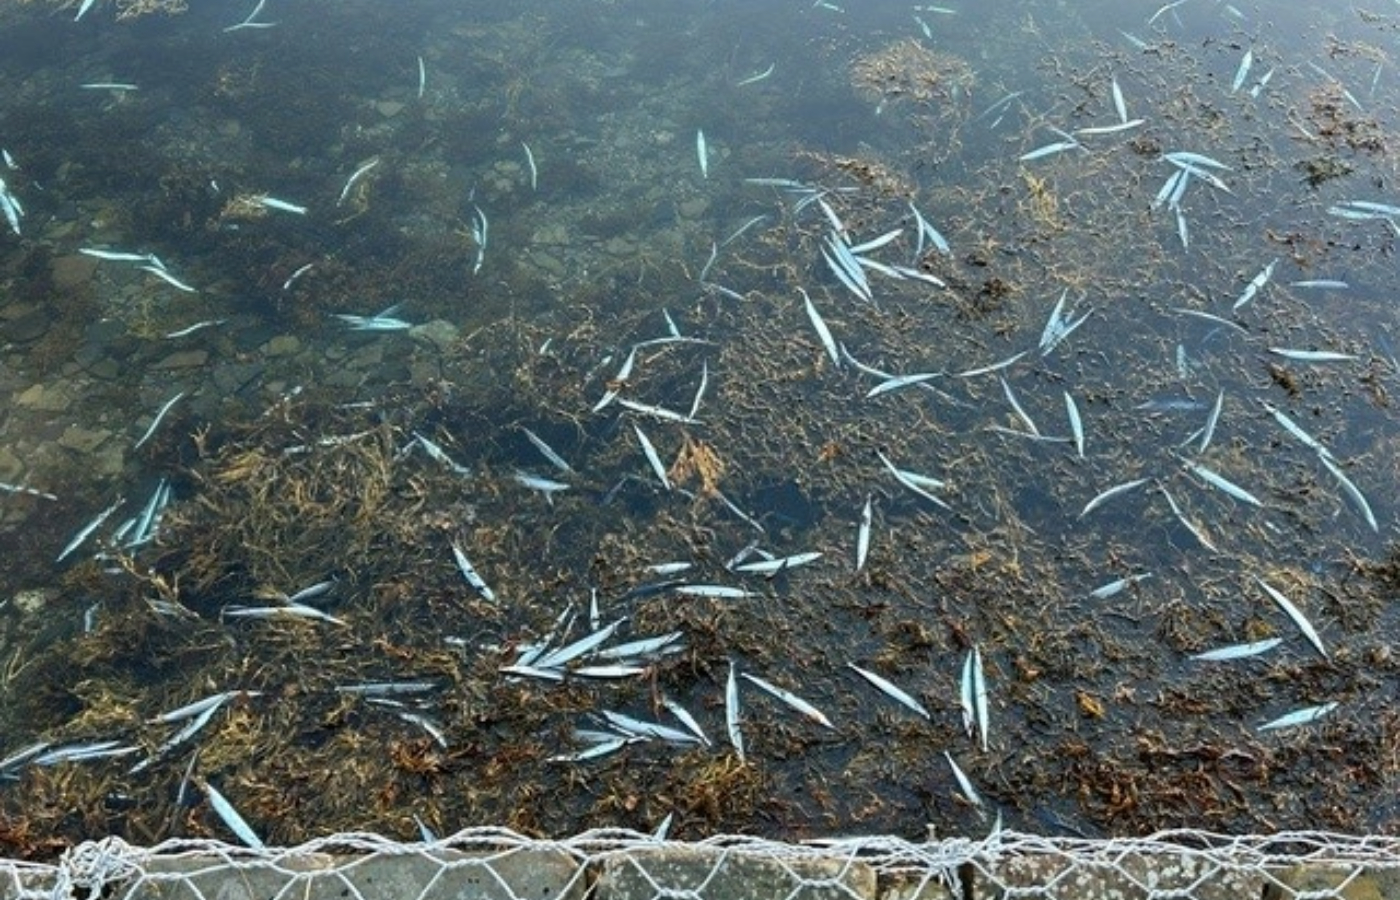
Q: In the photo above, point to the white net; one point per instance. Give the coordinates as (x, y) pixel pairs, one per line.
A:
(623, 865)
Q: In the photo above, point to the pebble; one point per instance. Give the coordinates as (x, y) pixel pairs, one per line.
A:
(26, 327)
(184, 359)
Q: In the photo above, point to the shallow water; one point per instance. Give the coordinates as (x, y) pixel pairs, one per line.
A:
(293, 455)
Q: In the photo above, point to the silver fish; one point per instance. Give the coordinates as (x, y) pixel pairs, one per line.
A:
(791, 699)
(892, 691)
(1295, 614)
(470, 574)
(731, 713)
(1105, 496)
(1238, 651)
(1300, 717)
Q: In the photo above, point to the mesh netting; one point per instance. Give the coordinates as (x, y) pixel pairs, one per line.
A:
(496, 863)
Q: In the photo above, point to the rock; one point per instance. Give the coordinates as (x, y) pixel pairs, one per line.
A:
(10, 465)
(34, 600)
(109, 460)
(70, 272)
(438, 333)
(340, 377)
(46, 398)
(184, 359)
(28, 326)
(83, 440)
(367, 356)
(233, 378)
(619, 247)
(106, 368)
(693, 208)
(548, 264)
(282, 345)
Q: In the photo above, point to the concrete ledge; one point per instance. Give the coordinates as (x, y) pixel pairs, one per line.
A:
(1126, 877)
(438, 875)
(1346, 882)
(647, 874)
(626, 867)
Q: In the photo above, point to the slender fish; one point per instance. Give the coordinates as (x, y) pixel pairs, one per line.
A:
(1300, 717)
(1076, 425)
(863, 535)
(1221, 483)
(155, 423)
(1238, 651)
(964, 782)
(534, 170)
(281, 205)
(653, 458)
(344, 192)
(1115, 491)
(756, 78)
(470, 574)
(731, 713)
(889, 689)
(88, 529)
(1243, 71)
(235, 822)
(791, 699)
(823, 332)
(547, 451)
(1351, 490)
(1295, 614)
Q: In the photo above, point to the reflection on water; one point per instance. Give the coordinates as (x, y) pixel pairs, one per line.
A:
(402, 292)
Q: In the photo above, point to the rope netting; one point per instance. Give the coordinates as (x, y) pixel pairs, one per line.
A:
(497, 863)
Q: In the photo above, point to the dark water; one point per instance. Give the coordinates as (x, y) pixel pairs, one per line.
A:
(292, 456)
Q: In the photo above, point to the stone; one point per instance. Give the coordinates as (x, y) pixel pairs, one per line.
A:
(10, 465)
(367, 356)
(34, 600)
(548, 264)
(727, 875)
(106, 368)
(282, 345)
(83, 440)
(70, 272)
(233, 378)
(109, 460)
(426, 875)
(184, 359)
(28, 326)
(438, 333)
(693, 208)
(46, 398)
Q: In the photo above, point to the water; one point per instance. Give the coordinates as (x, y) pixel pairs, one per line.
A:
(292, 456)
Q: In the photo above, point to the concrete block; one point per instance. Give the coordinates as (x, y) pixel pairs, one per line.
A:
(911, 887)
(1347, 882)
(720, 874)
(441, 875)
(1129, 876)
